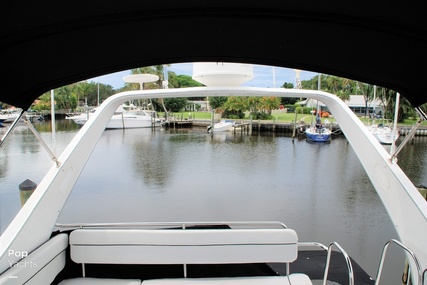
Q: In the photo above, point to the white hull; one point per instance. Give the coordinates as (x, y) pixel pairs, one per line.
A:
(9, 115)
(384, 135)
(122, 120)
(223, 126)
(79, 120)
(130, 121)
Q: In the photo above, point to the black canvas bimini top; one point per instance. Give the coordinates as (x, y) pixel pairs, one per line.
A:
(45, 44)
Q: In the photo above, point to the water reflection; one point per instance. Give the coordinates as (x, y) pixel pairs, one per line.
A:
(62, 125)
(22, 157)
(3, 164)
(153, 162)
(412, 159)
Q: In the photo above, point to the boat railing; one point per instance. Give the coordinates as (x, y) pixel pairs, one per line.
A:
(419, 274)
(183, 225)
(424, 275)
(329, 250)
(312, 244)
(347, 260)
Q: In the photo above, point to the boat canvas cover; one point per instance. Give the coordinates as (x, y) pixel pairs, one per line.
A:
(44, 46)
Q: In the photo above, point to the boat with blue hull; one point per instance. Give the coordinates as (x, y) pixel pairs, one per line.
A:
(318, 132)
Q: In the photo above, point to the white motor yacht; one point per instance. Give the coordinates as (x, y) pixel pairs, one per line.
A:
(125, 117)
(223, 126)
(9, 115)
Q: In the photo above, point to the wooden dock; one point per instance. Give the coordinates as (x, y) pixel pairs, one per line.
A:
(244, 127)
(240, 126)
(178, 124)
(271, 126)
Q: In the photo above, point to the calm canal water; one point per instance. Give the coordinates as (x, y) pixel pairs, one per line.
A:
(321, 191)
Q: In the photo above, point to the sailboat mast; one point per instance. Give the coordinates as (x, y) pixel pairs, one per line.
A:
(318, 89)
(274, 77)
(52, 116)
(396, 113)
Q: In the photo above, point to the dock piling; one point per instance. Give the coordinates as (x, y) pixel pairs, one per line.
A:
(26, 188)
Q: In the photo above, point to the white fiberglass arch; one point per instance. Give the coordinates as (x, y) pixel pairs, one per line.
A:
(37, 218)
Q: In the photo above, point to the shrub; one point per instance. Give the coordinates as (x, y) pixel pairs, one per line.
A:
(233, 114)
(303, 110)
(325, 115)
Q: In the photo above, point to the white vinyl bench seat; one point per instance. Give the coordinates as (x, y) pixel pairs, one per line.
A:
(186, 247)
(296, 278)
(100, 281)
(44, 263)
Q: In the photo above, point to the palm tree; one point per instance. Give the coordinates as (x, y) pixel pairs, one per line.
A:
(157, 70)
(389, 98)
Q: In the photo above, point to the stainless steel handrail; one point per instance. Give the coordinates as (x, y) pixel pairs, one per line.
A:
(313, 244)
(347, 259)
(328, 258)
(424, 276)
(410, 252)
(171, 224)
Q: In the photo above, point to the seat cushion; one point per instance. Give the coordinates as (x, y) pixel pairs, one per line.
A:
(178, 246)
(294, 279)
(264, 280)
(100, 281)
(299, 279)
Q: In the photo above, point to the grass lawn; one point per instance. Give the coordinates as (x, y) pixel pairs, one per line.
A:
(282, 117)
(279, 117)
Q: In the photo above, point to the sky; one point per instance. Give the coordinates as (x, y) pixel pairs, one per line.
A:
(263, 75)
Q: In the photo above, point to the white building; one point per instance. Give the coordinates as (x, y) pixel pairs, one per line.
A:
(358, 105)
(197, 106)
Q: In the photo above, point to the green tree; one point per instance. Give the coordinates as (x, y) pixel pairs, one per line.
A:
(43, 102)
(288, 85)
(388, 97)
(187, 81)
(175, 104)
(288, 100)
(343, 87)
(253, 104)
(216, 102)
(65, 99)
(92, 89)
(268, 104)
(173, 80)
(235, 107)
(158, 70)
(261, 107)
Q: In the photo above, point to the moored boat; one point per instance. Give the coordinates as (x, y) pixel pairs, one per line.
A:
(125, 117)
(318, 132)
(384, 134)
(223, 126)
(9, 115)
